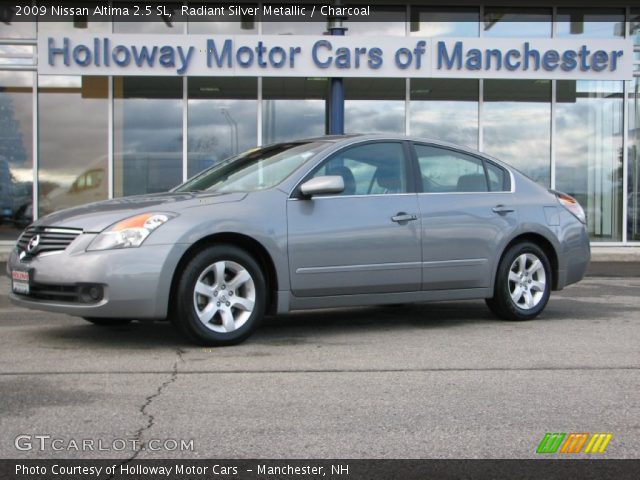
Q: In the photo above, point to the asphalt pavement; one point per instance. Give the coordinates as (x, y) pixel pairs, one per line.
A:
(445, 380)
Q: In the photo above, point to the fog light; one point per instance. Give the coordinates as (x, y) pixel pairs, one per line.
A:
(91, 293)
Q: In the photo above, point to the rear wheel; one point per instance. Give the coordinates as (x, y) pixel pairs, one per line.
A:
(221, 296)
(523, 283)
(108, 322)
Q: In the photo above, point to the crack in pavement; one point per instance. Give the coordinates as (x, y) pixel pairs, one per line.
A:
(137, 437)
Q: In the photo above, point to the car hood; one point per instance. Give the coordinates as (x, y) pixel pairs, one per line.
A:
(95, 217)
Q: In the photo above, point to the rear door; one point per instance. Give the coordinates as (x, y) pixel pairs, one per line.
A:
(365, 240)
(466, 211)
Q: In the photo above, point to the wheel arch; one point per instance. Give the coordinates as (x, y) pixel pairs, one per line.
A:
(541, 241)
(246, 243)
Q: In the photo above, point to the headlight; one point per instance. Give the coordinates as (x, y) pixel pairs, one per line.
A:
(130, 232)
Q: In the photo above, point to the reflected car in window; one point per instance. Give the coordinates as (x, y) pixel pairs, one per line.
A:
(325, 222)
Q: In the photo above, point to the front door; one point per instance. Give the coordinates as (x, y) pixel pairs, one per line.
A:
(364, 240)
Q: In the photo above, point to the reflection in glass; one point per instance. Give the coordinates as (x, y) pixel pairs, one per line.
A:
(153, 22)
(222, 119)
(223, 24)
(517, 22)
(73, 141)
(374, 105)
(445, 109)
(633, 178)
(80, 25)
(293, 24)
(517, 125)
(589, 152)
(634, 21)
(293, 108)
(11, 26)
(147, 132)
(384, 20)
(590, 22)
(445, 21)
(16, 152)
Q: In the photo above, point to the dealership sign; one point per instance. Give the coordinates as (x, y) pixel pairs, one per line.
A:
(334, 56)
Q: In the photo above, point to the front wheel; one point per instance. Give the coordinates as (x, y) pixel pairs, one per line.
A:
(523, 283)
(221, 296)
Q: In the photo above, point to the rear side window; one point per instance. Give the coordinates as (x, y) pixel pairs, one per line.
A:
(444, 171)
(497, 178)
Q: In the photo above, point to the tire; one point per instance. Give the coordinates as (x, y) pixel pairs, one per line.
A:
(108, 322)
(220, 297)
(523, 283)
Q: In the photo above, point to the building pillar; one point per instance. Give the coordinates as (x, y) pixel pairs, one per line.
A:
(335, 105)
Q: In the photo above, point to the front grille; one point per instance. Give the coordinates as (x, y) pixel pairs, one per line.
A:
(51, 239)
(59, 293)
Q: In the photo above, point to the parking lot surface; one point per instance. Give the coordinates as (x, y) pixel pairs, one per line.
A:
(445, 380)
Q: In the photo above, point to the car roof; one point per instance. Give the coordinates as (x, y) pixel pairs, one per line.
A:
(357, 137)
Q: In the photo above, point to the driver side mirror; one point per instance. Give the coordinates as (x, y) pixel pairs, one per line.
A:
(323, 185)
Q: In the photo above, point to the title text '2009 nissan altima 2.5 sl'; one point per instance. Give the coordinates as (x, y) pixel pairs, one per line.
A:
(325, 222)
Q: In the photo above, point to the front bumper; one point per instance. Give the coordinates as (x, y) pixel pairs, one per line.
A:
(136, 281)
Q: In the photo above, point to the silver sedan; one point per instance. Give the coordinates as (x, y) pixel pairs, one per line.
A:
(324, 222)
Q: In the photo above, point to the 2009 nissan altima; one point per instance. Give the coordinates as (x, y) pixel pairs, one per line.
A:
(325, 222)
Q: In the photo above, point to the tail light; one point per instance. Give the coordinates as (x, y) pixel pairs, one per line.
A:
(572, 205)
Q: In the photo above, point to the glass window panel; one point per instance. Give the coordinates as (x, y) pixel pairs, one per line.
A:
(590, 22)
(374, 105)
(222, 119)
(517, 22)
(293, 108)
(294, 25)
(633, 179)
(517, 125)
(445, 170)
(635, 26)
(79, 25)
(445, 21)
(73, 140)
(173, 22)
(589, 152)
(223, 24)
(11, 26)
(445, 109)
(384, 20)
(372, 169)
(147, 130)
(16, 152)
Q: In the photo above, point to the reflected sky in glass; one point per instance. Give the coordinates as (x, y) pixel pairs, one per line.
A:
(591, 22)
(147, 133)
(445, 110)
(589, 151)
(445, 21)
(73, 136)
(517, 125)
(501, 22)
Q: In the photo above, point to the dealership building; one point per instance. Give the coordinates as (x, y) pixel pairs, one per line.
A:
(103, 106)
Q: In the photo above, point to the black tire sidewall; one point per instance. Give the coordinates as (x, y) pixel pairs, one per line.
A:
(185, 316)
(502, 300)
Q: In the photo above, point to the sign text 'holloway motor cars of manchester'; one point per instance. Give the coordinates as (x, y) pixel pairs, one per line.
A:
(276, 55)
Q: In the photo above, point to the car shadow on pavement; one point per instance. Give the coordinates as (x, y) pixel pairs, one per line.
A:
(304, 326)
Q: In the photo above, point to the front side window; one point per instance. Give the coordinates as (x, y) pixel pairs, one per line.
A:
(372, 169)
(255, 169)
(447, 171)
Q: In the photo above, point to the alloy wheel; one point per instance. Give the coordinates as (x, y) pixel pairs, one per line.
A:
(527, 281)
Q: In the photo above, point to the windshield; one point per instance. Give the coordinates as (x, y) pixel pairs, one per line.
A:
(253, 170)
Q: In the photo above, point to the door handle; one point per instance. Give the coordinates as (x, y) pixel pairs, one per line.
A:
(403, 217)
(502, 209)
